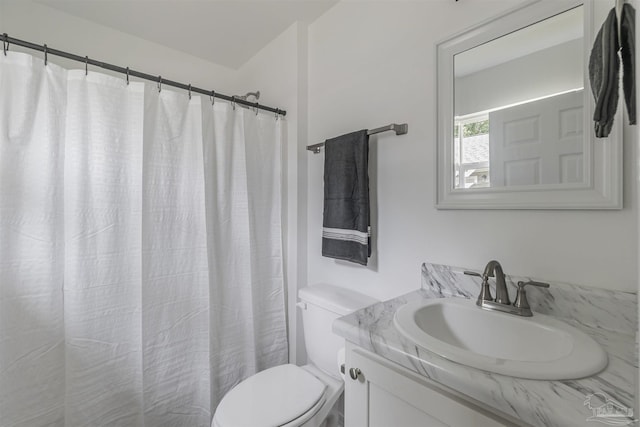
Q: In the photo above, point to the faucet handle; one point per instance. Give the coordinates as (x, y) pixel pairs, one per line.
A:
(485, 292)
(521, 301)
(533, 283)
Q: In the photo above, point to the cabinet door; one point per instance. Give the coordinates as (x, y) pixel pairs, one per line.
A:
(386, 394)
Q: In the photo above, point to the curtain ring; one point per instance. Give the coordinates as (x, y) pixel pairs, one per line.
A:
(86, 65)
(127, 76)
(257, 106)
(233, 102)
(159, 84)
(45, 55)
(189, 91)
(5, 43)
(213, 97)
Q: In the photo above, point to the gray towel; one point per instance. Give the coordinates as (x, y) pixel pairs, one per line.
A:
(603, 74)
(345, 226)
(628, 49)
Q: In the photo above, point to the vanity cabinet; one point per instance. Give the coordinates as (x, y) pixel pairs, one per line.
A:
(386, 394)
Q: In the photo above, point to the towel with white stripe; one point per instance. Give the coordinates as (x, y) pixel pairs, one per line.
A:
(346, 232)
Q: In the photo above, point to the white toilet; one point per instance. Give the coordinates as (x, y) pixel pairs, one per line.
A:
(289, 395)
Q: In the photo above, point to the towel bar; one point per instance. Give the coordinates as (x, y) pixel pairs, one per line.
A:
(399, 129)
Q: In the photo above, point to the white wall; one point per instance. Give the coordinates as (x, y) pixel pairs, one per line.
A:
(373, 63)
(37, 23)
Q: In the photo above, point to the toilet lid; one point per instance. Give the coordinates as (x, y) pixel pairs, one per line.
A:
(270, 398)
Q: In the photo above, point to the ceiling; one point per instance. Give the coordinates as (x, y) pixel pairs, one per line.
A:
(226, 32)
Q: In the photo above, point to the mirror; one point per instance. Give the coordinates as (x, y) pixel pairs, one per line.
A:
(514, 114)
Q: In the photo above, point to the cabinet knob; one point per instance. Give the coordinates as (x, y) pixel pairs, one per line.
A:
(354, 373)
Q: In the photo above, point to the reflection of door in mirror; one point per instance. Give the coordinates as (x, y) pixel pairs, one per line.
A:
(518, 107)
(538, 142)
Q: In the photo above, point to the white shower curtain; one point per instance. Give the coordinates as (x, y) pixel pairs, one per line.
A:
(134, 291)
(102, 242)
(242, 152)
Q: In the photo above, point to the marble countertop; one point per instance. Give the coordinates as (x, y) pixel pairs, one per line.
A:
(534, 402)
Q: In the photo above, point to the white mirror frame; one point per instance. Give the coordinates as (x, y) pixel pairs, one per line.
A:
(602, 186)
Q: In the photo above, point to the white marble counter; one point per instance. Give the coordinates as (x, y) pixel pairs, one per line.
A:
(608, 317)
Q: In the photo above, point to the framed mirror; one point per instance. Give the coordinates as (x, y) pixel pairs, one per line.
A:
(514, 113)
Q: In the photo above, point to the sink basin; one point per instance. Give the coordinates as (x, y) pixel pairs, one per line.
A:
(539, 347)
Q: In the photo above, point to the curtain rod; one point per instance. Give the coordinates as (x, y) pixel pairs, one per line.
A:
(125, 70)
(398, 129)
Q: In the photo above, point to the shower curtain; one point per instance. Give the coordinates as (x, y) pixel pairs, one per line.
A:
(140, 250)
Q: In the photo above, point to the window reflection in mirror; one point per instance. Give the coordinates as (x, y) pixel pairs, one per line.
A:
(471, 151)
(519, 107)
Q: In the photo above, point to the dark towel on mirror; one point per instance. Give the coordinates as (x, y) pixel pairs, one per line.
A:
(603, 74)
(345, 225)
(628, 49)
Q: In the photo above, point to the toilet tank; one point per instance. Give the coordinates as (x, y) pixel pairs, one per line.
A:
(321, 304)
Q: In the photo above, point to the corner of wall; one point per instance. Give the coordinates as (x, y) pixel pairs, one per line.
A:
(637, 198)
(301, 167)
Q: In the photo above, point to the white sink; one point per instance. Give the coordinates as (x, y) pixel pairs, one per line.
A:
(539, 347)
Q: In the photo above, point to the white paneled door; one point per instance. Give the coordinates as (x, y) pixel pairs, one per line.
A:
(539, 142)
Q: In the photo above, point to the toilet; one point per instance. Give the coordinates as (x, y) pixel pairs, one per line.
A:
(298, 396)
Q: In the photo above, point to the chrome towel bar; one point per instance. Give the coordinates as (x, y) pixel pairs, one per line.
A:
(399, 129)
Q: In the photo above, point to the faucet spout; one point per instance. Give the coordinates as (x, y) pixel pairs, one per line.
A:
(494, 269)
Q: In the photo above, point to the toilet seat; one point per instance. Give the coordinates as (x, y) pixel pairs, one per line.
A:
(284, 395)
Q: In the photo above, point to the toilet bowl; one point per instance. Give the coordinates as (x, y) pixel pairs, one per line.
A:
(285, 395)
(296, 396)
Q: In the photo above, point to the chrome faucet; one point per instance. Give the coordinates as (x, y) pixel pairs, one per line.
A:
(494, 269)
(502, 303)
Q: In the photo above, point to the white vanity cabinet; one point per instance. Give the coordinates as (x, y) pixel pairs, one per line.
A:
(385, 394)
